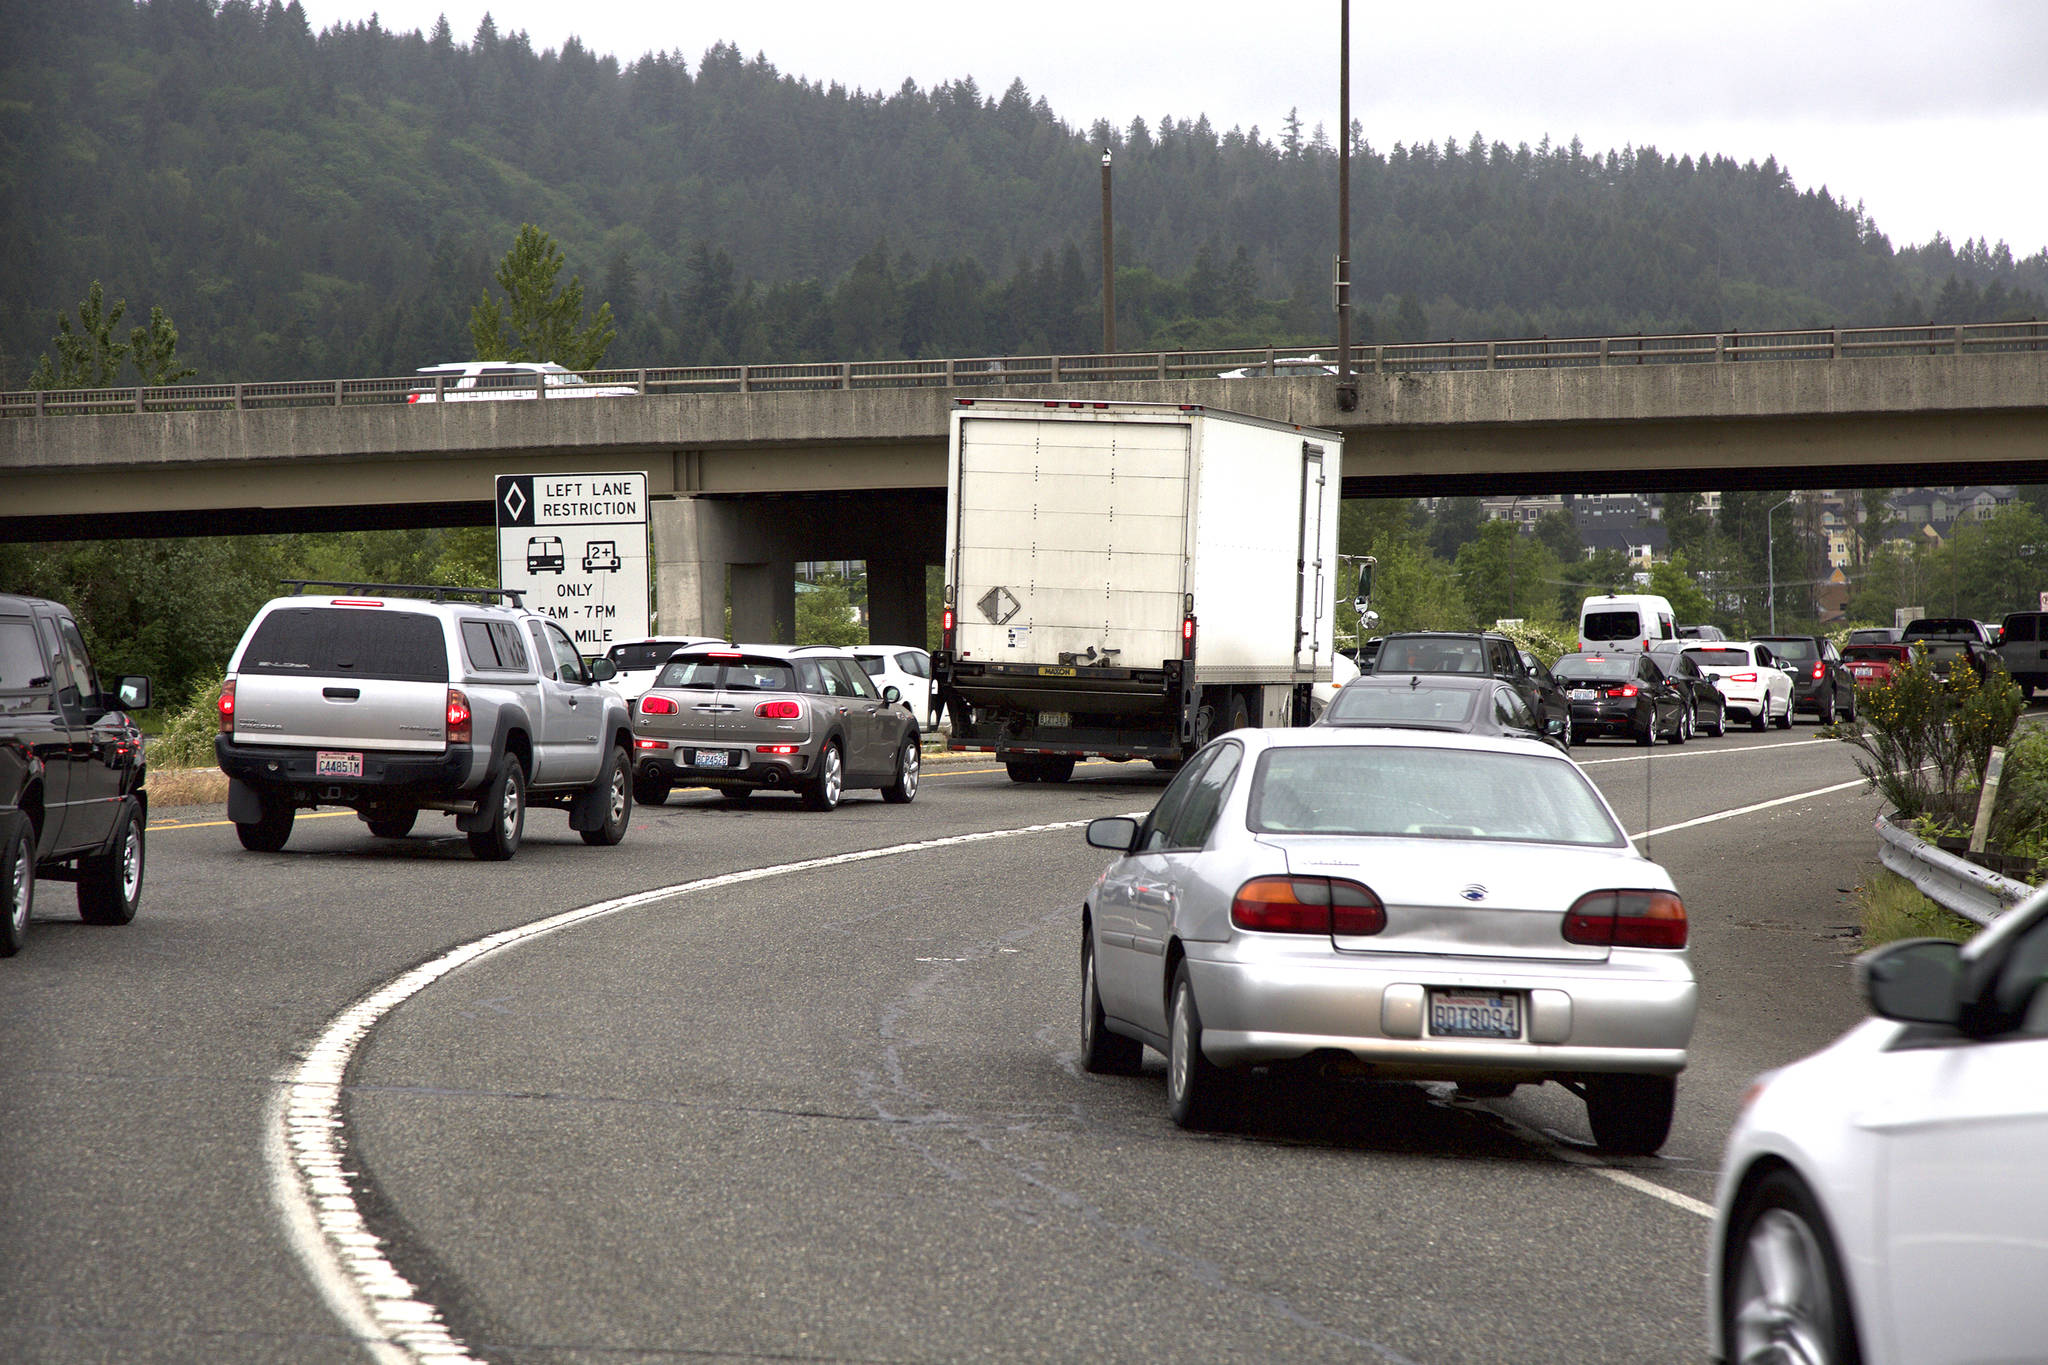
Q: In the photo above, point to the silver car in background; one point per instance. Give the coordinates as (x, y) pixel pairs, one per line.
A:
(743, 718)
(1393, 904)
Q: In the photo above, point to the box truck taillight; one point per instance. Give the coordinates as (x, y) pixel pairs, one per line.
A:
(1187, 637)
(946, 630)
(227, 707)
(458, 716)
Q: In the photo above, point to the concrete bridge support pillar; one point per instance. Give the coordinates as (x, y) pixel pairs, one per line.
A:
(896, 601)
(764, 602)
(690, 537)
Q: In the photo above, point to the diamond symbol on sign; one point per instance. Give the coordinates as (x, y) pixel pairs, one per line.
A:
(998, 605)
(515, 501)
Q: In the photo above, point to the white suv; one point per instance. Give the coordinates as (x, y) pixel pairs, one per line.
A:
(906, 668)
(483, 381)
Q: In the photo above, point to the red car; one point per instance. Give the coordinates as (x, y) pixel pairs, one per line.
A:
(1871, 665)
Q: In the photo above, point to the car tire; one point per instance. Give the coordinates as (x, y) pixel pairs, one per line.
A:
(1199, 1094)
(505, 798)
(651, 791)
(1849, 712)
(2027, 691)
(392, 826)
(1631, 1115)
(1102, 1052)
(1168, 765)
(17, 884)
(615, 789)
(270, 830)
(1240, 714)
(1824, 713)
(1055, 769)
(1680, 728)
(1649, 731)
(830, 785)
(1784, 1296)
(734, 794)
(909, 763)
(1720, 721)
(1761, 720)
(110, 884)
(1785, 721)
(1021, 769)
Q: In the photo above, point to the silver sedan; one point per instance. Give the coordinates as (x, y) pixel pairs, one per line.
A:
(1404, 905)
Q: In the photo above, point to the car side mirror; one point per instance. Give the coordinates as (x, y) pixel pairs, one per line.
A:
(603, 670)
(1114, 832)
(1915, 981)
(892, 694)
(132, 694)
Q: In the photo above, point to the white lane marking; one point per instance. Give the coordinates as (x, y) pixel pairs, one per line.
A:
(1749, 810)
(307, 1152)
(1572, 1156)
(1663, 754)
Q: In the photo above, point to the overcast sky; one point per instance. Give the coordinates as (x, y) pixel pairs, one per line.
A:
(1933, 113)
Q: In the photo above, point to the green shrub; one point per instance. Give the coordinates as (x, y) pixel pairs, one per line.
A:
(1544, 639)
(1892, 908)
(2019, 821)
(1925, 739)
(187, 737)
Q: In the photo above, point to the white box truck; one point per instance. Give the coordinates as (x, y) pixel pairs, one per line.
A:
(1124, 580)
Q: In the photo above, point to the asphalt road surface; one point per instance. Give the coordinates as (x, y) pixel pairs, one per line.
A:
(832, 1112)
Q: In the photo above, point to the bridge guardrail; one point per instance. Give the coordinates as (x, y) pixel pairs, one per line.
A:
(1976, 893)
(1537, 353)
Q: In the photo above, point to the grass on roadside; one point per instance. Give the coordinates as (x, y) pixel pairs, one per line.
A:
(1893, 908)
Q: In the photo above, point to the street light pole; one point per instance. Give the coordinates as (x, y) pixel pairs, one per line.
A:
(1108, 266)
(1347, 386)
(1771, 555)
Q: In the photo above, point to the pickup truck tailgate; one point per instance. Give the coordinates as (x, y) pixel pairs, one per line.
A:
(360, 713)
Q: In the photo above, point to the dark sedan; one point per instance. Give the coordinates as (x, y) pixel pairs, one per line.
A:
(1705, 708)
(1450, 702)
(1625, 696)
(1821, 682)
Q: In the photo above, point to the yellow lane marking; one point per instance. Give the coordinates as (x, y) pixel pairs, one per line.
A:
(216, 824)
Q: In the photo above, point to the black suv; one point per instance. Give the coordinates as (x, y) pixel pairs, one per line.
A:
(1475, 653)
(72, 804)
(1821, 682)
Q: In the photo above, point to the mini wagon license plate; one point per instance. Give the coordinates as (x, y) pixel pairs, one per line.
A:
(329, 764)
(1475, 1014)
(713, 758)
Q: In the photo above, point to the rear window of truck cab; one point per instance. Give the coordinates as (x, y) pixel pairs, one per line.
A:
(24, 672)
(351, 642)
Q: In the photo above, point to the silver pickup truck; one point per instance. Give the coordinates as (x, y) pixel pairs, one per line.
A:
(391, 699)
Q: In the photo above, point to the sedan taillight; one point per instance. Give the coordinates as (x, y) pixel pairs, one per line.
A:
(458, 717)
(1307, 905)
(1627, 919)
(1625, 690)
(778, 710)
(227, 707)
(657, 706)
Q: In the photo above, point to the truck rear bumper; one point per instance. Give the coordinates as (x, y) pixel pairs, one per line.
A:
(388, 778)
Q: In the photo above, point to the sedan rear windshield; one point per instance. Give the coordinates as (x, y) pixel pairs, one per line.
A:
(735, 675)
(1376, 790)
(1720, 658)
(1620, 666)
(352, 642)
(1362, 705)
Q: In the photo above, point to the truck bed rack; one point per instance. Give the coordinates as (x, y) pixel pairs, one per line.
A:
(437, 592)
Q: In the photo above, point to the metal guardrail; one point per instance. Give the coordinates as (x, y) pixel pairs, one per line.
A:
(1977, 894)
(1435, 357)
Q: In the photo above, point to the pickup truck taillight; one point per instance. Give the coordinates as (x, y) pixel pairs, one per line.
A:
(458, 716)
(227, 707)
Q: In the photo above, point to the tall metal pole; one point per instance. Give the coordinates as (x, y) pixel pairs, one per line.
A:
(1108, 266)
(1347, 387)
(1771, 555)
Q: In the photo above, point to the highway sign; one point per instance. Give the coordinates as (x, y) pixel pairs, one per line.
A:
(576, 545)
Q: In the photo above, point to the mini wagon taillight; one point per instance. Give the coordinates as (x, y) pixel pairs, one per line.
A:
(1307, 905)
(1627, 919)
(458, 716)
(778, 710)
(657, 706)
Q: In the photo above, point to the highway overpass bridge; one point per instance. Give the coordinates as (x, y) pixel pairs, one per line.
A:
(752, 468)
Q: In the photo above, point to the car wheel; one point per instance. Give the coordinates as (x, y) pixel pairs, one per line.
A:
(18, 889)
(618, 803)
(1681, 728)
(269, 831)
(1168, 765)
(1648, 735)
(1762, 716)
(1849, 710)
(392, 826)
(1720, 721)
(734, 793)
(1240, 714)
(1784, 1297)
(2027, 691)
(1102, 1052)
(110, 884)
(824, 793)
(1198, 1092)
(1571, 734)
(1631, 1115)
(505, 797)
(1826, 714)
(1785, 721)
(650, 790)
(909, 762)
(1055, 769)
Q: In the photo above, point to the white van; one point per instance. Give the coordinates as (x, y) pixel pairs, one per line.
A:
(1625, 621)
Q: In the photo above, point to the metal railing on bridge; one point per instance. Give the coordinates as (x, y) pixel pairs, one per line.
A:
(1541, 353)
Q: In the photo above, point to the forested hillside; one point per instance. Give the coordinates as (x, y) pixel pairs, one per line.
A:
(311, 204)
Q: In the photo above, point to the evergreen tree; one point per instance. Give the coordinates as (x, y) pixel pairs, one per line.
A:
(538, 320)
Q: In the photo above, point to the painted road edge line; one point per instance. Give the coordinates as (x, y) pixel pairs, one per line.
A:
(1749, 810)
(311, 1182)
